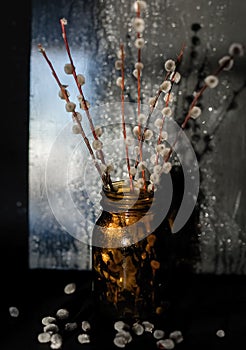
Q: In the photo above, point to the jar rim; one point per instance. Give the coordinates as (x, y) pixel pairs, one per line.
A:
(123, 191)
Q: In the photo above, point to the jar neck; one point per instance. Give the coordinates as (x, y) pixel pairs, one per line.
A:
(123, 199)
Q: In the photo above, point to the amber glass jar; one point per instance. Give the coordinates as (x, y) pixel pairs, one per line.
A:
(127, 255)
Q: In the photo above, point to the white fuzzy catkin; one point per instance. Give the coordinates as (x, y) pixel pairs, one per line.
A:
(70, 106)
(138, 24)
(166, 86)
(227, 62)
(148, 134)
(62, 314)
(139, 43)
(195, 112)
(211, 81)
(119, 82)
(68, 68)
(236, 49)
(70, 288)
(166, 111)
(170, 65)
(81, 79)
(44, 337)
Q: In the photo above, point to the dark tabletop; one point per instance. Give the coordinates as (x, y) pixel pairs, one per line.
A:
(199, 306)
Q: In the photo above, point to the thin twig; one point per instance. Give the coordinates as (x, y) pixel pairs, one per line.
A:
(123, 113)
(63, 23)
(75, 117)
(193, 103)
(158, 94)
(138, 14)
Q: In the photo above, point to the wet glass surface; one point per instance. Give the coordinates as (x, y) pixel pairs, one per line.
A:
(95, 30)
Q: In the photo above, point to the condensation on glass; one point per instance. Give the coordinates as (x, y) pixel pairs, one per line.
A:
(95, 30)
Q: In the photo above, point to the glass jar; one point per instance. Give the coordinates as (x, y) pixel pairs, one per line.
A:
(127, 252)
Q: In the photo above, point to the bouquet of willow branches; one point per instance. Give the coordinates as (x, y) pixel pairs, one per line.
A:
(142, 173)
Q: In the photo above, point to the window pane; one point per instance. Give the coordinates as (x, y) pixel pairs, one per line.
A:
(95, 30)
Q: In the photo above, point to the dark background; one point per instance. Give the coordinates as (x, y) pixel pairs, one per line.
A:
(201, 304)
(14, 140)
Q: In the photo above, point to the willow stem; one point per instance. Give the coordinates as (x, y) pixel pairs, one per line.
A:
(140, 144)
(84, 102)
(193, 103)
(123, 113)
(75, 117)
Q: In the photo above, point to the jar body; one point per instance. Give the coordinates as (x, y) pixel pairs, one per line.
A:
(127, 258)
